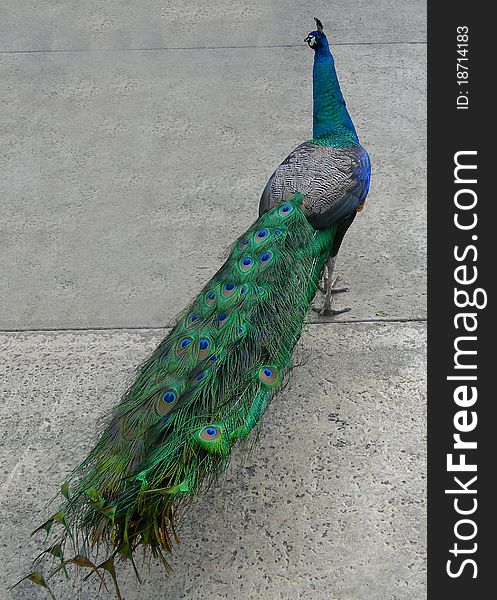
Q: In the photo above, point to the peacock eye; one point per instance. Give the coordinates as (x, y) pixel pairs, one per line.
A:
(200, 376)
(261, 235)
(204, 345)
(246, 264)
(267, 375)
(285, 210)
(166, 402)
(210, 433)
(169, 397)
(182, 345)
(229, 289)
(265, 257)
(210, 298)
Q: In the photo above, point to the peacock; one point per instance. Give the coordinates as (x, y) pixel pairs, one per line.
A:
(209, 381)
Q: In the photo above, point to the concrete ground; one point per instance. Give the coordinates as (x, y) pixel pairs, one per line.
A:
(135, 141)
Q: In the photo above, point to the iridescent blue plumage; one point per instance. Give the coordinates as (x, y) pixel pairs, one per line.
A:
(331, 119)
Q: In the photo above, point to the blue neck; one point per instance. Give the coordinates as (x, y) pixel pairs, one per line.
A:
(332, 125)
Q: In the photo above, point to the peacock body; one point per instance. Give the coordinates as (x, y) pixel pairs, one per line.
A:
(211, 378)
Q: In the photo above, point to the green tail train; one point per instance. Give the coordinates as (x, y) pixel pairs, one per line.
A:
(205, 387)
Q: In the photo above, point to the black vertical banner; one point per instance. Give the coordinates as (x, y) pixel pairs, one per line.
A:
(462, 437)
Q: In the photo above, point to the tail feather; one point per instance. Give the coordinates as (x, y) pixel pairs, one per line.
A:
(204, 388)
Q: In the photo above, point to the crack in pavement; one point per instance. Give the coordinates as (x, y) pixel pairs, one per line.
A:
(166, 48)
(166, 327)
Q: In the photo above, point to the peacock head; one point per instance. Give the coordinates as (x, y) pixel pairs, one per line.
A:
(317, 39)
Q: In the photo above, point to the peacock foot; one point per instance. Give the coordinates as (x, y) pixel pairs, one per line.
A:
(327, 310)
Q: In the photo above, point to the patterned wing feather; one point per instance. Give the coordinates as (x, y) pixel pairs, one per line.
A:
(334, 181)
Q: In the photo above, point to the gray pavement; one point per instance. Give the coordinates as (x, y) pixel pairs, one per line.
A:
(136, 139)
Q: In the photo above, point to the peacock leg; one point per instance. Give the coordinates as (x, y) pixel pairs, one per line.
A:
(323, 284)
(329, 290)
